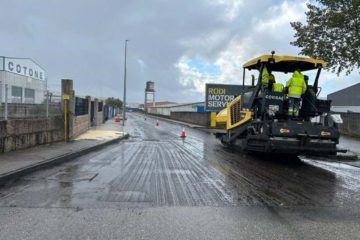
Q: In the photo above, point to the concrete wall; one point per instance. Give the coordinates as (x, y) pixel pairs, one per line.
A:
(80, 125)
(24, 133)
(99, 118)
(16, 110)
(202, 119)
(98, 115)
(165, 111)
(31, 128)
(351, 125)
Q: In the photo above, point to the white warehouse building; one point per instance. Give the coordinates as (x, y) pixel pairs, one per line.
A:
(167, 109)
(24, 79)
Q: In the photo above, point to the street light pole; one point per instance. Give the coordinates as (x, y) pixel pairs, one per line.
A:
(124, 101)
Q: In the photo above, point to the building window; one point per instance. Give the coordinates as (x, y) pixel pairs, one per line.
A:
(16, 94)
(29, 95)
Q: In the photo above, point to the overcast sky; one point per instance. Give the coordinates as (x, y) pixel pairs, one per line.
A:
(180, 45)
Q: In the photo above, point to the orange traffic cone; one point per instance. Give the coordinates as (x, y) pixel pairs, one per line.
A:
(183, 133)
(157, 122)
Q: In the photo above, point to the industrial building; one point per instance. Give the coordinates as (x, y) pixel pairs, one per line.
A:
(22, 79)
(189, 107)
(166, 108)
(193, 113)
(160, 108)
(346, 100)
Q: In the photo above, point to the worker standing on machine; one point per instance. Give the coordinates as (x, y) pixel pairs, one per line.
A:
(267, 79)
(269, 82)
(296, 87)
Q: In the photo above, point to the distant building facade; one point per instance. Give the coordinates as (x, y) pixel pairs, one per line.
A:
(189, 107)
(346, 100)
(169, 107)
(24, 78)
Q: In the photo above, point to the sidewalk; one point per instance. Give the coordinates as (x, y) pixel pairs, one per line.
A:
(20, 162)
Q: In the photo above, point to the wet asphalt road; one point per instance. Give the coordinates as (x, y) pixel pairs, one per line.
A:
(155, 183)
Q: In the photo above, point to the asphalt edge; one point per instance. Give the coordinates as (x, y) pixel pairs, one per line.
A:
(13, 175)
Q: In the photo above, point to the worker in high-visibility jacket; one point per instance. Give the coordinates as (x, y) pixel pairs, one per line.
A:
(296, 87)
(278, 88)
(267, 78)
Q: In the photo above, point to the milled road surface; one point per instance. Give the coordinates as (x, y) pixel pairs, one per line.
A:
(156, 185)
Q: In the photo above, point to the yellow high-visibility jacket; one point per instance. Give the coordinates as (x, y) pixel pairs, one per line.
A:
(277, 87)
(265, 77)
(296, 85)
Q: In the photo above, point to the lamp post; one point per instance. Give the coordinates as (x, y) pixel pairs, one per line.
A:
(124, 101)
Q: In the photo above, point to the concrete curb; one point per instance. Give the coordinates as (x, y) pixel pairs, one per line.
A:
(13, 175)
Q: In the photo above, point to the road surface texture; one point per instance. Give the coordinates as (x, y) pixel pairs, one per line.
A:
(156, 185)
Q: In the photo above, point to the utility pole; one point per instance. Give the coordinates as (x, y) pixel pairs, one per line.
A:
(47, 98)
(124, 101)
(6, 102)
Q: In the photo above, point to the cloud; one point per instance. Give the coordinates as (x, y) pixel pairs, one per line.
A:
(232, 8)
(257, 35)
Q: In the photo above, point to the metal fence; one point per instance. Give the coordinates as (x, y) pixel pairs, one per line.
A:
(51, 106)
(351, 124)
(81, 106)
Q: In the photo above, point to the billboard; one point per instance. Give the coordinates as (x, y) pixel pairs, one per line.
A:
(218, 95)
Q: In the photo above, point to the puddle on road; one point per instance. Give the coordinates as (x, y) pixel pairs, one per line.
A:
(65, 184)
(79, 176)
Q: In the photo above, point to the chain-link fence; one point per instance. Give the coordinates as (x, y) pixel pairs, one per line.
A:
(351, 124)
(25, 108)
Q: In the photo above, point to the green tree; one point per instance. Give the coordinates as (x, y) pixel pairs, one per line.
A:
(114, 102)
(331, 33)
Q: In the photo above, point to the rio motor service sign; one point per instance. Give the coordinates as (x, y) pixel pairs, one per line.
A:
(217, 96)
(24, 67)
